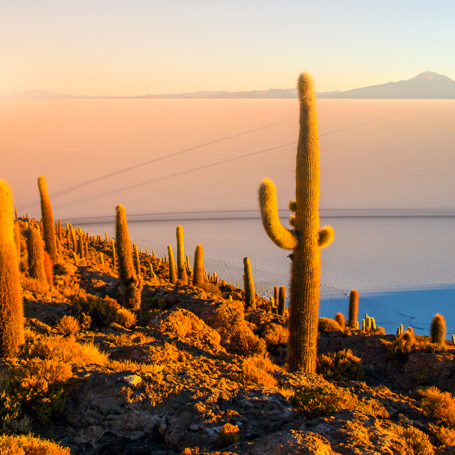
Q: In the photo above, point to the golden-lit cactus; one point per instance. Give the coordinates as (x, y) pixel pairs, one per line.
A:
(131, 283)
(250, 296)
(48, 219)
(339, 317)
(281, 300)
(438, 329)
(137, 260)
(11, 310)
(48, 269)
(172, 274)
(306, 239)
(36, 255)
(353, 308)
(181, 268)
(198, 269)
(17, 240)
(114, 255)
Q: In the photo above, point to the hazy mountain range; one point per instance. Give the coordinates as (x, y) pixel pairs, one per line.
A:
(426, 85)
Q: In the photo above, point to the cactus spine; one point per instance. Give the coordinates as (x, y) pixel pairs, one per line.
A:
(353, 307)
(131, 283)
(281, 301)
(438, 329)
(36, 255)
(198, 269)
(11, 310)
(48, 219)
(172, 275)
(306, 239)
(250, 297)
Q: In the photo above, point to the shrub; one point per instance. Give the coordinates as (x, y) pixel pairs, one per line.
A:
(36, 389)
(126, 317)
(256, 370)
(211, 288)
(102, 311)
(66, 350)
(275, 334)
(328, 325)
(439, 406)
(445, 435)
(327, 400)
(68, 326)
(30, 445)
(417, 442)
(228, 435)
(340, 366)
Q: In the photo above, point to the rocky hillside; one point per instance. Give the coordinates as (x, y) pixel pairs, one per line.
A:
(193, 372)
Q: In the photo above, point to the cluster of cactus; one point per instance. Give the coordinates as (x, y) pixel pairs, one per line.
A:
(305, 239)
(368, 323)
(11, 309)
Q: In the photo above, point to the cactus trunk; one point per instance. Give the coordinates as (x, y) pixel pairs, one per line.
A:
(198, 270)
(48, 219)
(181, 255)
(250, 296)
(353, 308)
(11, 310)
(172, 275)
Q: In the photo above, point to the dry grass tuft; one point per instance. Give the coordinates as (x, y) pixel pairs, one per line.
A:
(256, 370)
(126, 318)
(30, 445)
(68, 326)
(275, 334)
(439, 406)
(228, 435)
(417, 442)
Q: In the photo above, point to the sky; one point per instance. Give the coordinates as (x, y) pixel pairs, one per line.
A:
(137, 47)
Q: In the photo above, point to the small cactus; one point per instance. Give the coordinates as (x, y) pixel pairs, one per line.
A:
(339, 317)
(453, 338)
(198, 269)
(181, 269)
(250, 297)
(48, 219)
(281, 300)
(172, 275)
(102, 260)
(36, 255)
(353, 307)
(438, 329)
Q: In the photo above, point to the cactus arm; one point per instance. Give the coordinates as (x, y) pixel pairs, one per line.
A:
(326, 236)
(281, 236)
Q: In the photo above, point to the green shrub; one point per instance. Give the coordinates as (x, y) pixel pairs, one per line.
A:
(36, 389)
(327, 400)
(340, 366)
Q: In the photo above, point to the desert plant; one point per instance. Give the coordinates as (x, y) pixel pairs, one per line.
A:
(48, 269)
(306, 240)
(126, 318)
(418, 443)
(198, 269)
(30, 445)
(339, 317)
(438, 329)
(181, 268)
(257, 370)
(439, 406)
(68, 326)
(250, 297)
(48, 219)
(282, 300)
(228, 435)
(340, 366)
(137, 261)
(328, 325)
(36, 255)
(17, 239)
(131, 283)
(353, 308)
(11, 310)
(172, 274)
(275, 334)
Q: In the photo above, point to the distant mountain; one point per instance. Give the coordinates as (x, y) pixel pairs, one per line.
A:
(426, 85)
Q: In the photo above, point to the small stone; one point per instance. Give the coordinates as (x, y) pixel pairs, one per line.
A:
(132, 379)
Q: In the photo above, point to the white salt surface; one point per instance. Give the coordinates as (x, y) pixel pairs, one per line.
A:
(375, 154)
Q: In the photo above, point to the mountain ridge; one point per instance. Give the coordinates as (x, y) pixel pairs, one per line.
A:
(426, 85)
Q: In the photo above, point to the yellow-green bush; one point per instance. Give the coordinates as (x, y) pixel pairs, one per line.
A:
(340, 366)
(30, 445)
(36, 388)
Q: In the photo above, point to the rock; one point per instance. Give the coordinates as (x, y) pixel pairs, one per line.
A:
(293, 442)
(133, 380)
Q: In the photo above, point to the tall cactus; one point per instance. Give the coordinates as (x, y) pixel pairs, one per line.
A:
(172, 274)
(306, 239)
(282, 301)
(353, 308)
(11, 310)
(48, 219)
(131, 283)
(36, 255)
(250, 296)
(198, 270)
(181, 269)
